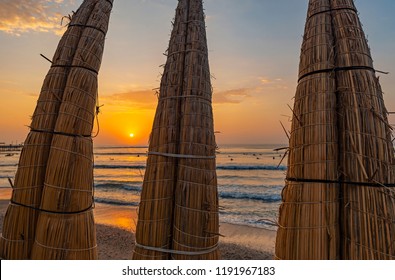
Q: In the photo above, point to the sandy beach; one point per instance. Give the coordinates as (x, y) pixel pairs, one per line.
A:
(116, 226)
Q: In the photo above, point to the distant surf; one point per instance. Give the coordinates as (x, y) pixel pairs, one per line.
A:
(219, 167)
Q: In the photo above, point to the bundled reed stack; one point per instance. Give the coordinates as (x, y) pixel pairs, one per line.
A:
(367, 154)
(309, 213)
(57, 152)
(178, 213)
(338, 202)
(65, 227)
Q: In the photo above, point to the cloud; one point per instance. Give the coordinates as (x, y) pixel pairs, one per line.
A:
(32, 94)
(22, 16)
(135, 99)
(234, 96)
(267, 81)
(271, 84)
(147, 99)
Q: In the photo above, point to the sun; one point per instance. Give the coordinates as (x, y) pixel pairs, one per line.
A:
(131, 135)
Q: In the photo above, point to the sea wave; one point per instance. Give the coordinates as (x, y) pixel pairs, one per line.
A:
(8, 165)
(219, 167)
(264, 223)
(256, 187)
(120, 147)
(238, 176)
(5, 177)
(122, 186)
(116, 202)
(251, 167)
(120, 154)
(251, 196)
(104, 166)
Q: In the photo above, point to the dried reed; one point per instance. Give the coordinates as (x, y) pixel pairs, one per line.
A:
(69, 178)
(308, 215)
(335, 204)
(51, 95)
(20, 221)
(178, 213)
(75, 238)
(65, 228)
(367, 154)
(69, 167)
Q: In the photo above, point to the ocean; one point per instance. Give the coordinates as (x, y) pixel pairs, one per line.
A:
(250, 180)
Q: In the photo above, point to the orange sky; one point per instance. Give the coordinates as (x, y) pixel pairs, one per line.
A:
(253, 52)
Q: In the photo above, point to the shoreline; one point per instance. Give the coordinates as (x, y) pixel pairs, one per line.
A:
(115, 227)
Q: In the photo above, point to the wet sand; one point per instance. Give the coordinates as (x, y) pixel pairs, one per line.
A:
(116, 227)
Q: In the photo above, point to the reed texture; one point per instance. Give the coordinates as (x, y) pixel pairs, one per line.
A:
(55, 173)
(307, 226)
(178, 213)
(65, 227)
(367, 154)
(20, 220)
(336, 203)
(74, 240)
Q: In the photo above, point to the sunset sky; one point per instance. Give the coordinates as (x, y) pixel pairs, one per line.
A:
(254, 48)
